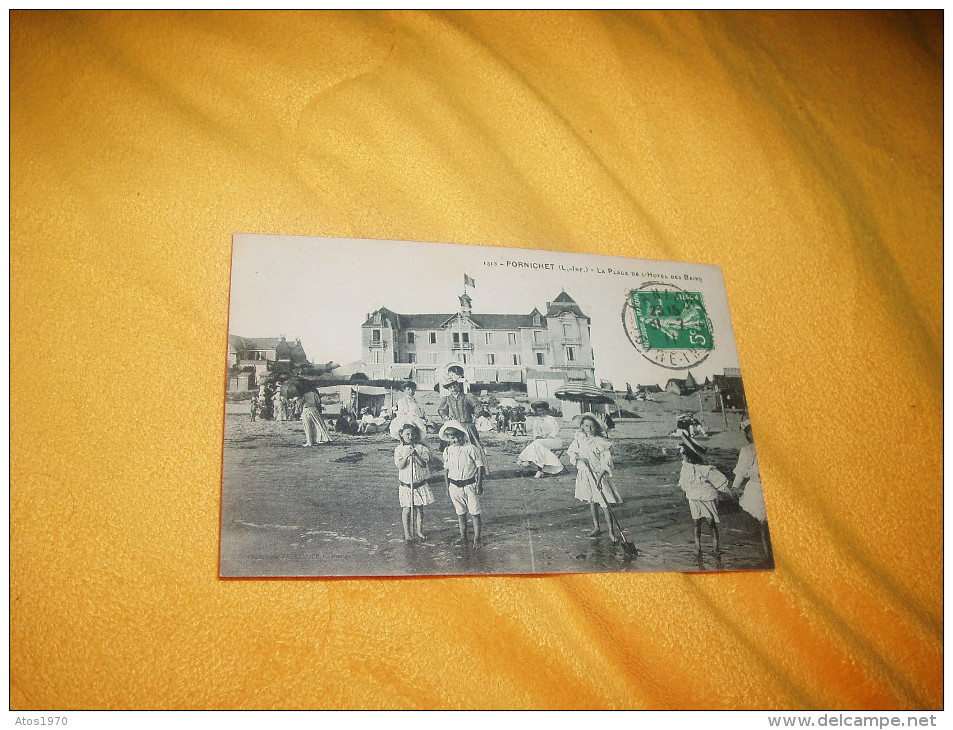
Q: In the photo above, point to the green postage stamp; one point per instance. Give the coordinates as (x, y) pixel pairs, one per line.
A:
(671, 320)
(669, 326)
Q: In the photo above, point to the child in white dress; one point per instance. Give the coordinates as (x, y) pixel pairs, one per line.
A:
(591, 454)
(701, 484)
(413, 472)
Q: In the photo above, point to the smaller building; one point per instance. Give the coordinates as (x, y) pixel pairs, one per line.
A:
(250, 357)
(679, 386)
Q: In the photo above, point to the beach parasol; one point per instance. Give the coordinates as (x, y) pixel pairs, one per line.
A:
(509, 403)
(584, 394)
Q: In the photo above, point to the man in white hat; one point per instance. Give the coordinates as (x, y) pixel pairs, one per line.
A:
(454, 373)
(461, 407)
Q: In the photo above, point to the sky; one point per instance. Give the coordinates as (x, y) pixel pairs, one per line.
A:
(321, 290)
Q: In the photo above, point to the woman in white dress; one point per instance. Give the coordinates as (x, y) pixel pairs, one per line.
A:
(409, 411)
(281, 403)
(483, 422)
(546, 439)
(748, 482)
(315, 429)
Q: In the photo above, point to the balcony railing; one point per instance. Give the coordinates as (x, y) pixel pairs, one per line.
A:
(462, 346)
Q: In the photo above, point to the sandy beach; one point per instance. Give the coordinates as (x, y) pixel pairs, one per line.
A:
(331, 510)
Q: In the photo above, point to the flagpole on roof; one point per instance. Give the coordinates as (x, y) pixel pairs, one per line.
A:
(459, 328)
(460, 321)
(467, 281)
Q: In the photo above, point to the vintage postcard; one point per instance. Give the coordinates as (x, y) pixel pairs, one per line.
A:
(408, 409)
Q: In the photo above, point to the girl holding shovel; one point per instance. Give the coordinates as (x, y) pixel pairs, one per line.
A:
(591, 455)
(413, 471)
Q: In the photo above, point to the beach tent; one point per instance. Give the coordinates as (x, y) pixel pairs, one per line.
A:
(357, 397)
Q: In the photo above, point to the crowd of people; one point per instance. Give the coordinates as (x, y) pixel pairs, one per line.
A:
(275, 402)
(463, 418)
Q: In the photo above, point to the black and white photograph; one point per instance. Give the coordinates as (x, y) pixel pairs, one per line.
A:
(399, 408)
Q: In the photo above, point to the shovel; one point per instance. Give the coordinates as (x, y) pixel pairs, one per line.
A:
(413, 493)
(626, 545)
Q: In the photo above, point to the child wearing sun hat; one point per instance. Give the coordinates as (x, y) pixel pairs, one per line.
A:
(591, 453)
(464, 478)
(412, 459)
(701, 483)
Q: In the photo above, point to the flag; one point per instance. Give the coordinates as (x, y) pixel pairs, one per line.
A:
(467, 281)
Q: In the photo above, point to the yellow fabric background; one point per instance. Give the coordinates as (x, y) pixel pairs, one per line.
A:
(799, 151)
